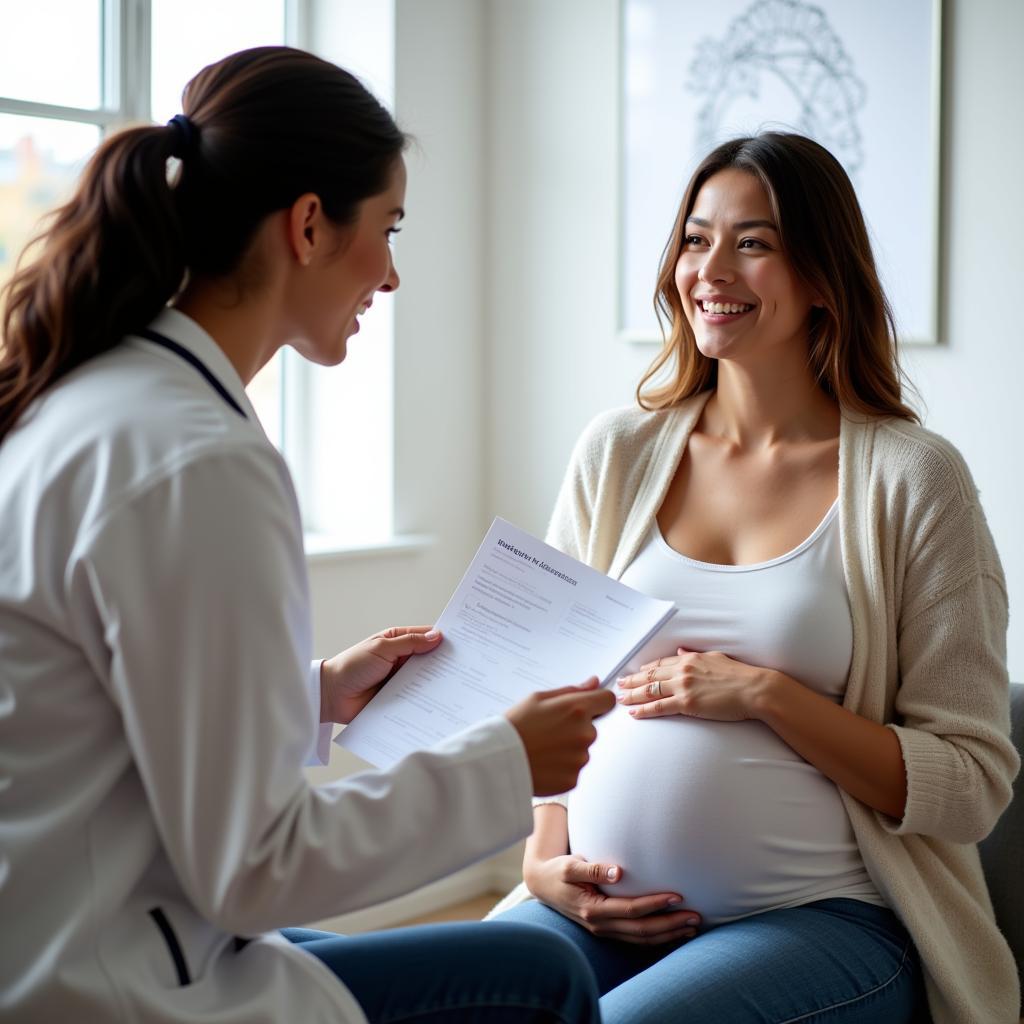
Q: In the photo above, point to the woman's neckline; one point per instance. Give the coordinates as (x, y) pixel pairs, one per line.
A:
(747, 566)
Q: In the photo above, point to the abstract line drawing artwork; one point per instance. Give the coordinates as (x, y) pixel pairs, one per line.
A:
(789, 49)
(862, 79)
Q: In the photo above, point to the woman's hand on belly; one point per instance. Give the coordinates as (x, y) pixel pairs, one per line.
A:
(862, 757)
(571, 885)
(699, 685)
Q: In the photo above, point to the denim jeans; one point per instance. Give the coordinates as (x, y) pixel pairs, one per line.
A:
(497, 972)
(839, 961)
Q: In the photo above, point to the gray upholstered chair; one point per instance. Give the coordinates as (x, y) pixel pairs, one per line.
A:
(1002, 853)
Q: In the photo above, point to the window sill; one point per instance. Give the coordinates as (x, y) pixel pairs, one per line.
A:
(323, 549)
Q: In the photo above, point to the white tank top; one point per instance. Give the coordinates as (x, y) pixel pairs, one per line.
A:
(726, 813)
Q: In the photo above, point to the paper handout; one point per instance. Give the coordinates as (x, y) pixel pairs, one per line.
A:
(524, 617)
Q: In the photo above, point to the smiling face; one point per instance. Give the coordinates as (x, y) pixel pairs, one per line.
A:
(340, 281)
(738, 290)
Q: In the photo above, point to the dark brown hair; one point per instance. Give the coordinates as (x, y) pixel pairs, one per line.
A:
(851, 346)
(264, 126)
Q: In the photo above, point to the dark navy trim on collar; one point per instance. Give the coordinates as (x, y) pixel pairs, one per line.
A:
(179, 350)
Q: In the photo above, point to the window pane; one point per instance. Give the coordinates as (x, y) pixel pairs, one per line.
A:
(265, 394)
(39, 162)
(347, 484)
(50, 51)
(179, 50)
(352, 437)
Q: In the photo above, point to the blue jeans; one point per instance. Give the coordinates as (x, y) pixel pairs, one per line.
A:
(460, 973)
(839, 961)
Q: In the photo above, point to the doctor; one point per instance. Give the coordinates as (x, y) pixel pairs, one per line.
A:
(156, 697)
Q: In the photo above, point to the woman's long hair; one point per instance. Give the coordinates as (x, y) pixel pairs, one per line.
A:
(851, 346)
(264, 126)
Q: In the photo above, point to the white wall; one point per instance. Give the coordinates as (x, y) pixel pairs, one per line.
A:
(438, 359)
(972, 383)
(553, 359)
(438, 372)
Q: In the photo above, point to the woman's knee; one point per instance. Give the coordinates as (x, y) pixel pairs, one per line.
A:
(530, 941)
(554, 974)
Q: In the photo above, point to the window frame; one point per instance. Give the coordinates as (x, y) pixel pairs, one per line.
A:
(125, 66)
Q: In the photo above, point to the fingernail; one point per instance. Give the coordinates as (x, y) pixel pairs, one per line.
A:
(613, 874)
(675, 901)
(620, 680)
(431, 634)
(633, 711)
(692, 921)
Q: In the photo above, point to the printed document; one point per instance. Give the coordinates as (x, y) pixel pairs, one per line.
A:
(525, 617)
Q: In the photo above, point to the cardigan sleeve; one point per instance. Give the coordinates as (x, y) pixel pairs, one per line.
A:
(572, 517)
(605, 473)
(569, 531)
(952, 705)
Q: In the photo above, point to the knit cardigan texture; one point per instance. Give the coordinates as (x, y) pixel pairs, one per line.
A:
(929, 610)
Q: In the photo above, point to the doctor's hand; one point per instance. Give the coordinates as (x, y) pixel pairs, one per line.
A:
(556, 728)
(573, 886)
(349, 680)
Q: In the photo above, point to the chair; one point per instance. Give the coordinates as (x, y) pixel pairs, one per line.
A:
(1002, 852)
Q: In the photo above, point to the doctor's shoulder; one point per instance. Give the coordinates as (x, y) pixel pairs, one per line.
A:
(114, 425)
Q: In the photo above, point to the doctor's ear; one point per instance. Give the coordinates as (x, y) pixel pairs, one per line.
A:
(306, 223)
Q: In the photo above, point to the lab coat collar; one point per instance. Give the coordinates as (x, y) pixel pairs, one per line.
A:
(185, 331)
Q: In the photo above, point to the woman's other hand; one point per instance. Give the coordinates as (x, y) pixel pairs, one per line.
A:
(349, 680)
(700, 685)
(573, 887)
(556, 728)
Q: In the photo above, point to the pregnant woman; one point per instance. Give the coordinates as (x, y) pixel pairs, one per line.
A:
(807, 754)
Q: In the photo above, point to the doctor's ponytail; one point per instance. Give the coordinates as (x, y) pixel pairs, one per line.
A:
(260, 128)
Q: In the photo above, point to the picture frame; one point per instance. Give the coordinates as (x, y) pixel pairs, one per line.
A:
(863, 79)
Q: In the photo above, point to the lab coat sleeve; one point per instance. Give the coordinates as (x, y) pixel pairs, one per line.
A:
(321, 752)
(197, 582)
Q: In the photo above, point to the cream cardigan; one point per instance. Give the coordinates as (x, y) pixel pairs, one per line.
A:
(929, 609)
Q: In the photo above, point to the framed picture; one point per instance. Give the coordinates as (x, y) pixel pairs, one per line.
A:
(863, 79)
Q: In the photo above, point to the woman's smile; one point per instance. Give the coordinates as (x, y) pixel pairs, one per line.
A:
(722, 309)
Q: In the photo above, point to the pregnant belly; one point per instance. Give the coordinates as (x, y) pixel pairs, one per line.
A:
(724, 813)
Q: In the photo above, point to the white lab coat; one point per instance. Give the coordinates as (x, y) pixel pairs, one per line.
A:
(156, 711)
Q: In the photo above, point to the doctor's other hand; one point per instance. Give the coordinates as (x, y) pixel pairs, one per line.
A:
(349, 680)
(556, 728)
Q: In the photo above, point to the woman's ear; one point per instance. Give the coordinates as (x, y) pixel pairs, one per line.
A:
(306, 227)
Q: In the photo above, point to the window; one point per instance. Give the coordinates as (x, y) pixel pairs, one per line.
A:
(52, 111)
(74, 69)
